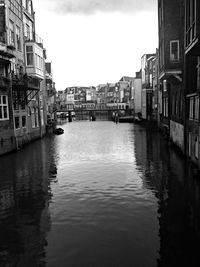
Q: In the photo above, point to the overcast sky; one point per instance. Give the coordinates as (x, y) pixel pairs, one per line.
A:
(96, 41)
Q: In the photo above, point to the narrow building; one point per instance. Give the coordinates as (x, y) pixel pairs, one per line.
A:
(51, 96)
(137, 89)
(147, 85)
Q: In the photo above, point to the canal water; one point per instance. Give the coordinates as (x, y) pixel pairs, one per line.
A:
(101, 194)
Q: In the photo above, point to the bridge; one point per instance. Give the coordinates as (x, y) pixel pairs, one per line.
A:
(104, 113)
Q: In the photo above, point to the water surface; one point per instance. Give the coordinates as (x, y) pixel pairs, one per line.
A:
(101, 194)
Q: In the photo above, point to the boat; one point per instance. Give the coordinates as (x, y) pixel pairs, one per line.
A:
(58, 131)
(126, 119)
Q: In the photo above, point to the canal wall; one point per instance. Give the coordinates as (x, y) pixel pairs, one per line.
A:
(10, 143)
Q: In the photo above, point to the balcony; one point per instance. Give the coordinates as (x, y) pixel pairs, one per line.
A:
(33, 37)
(4, 82)
(25, 83)
(6, 51)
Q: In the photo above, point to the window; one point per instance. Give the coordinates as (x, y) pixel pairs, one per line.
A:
(165, 107)
(196, 115)
(24, 3)
(165, 85)
(29, 7)
(35, 120)
(4, 115)
(160, 12)
(17, 126)
(11, 33)
(161, 53)
(18, 38)
(197, 147)
(15, 6)
(198, 74)
(28, 28)
(190, 21)
(174, 50)
(24, 121)
(2, 70)
(191, 108)
(29, 55)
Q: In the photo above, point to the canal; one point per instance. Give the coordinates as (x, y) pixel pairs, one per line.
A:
(101, 194)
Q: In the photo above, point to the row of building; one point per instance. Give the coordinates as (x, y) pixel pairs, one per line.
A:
(104, 96)
(167, 88)
(27, 90)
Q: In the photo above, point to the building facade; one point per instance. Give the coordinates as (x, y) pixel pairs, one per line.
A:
(192, 79)
(171, 43)
(22, 76)
(137, 94)
(147, 85)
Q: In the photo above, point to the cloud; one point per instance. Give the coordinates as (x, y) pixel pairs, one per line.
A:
(94, 6)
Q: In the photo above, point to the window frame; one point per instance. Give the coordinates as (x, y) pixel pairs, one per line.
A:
(17, 117)
(11, 33)
(30, 53)
(3, 106)
(18, 38)
(23, 125)
(172, 57)
(196, 108)
(191, 108)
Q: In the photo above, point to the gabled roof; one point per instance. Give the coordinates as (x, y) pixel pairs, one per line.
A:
(102, 89)
(126, 79)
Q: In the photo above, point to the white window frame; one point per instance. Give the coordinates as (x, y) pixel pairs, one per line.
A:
(2, 106)
(172, 55)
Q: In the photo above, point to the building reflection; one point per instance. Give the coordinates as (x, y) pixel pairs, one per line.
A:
(24, 204)
(177, 187)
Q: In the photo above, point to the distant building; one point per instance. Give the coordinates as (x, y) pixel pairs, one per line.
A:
(125, 85)
(51, 94)
(137, 93)
(147, 85)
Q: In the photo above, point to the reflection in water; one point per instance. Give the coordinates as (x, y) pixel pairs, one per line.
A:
(176, 185)
(101, 194)
(24, 196)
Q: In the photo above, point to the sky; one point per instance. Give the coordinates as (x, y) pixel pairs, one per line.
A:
(91, 42)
